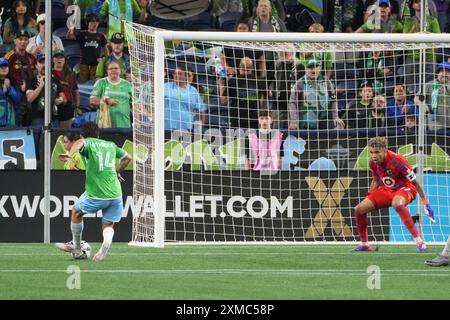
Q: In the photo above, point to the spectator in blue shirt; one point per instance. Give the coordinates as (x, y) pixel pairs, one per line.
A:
(10, 96)
(399, 106)
(181, 102)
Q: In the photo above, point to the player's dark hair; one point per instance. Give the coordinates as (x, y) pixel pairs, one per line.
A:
(378, 142)
(90, 130)
(72, 136)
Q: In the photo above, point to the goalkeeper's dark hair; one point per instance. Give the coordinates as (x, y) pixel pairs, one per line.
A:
(90, 130)
(378, 142)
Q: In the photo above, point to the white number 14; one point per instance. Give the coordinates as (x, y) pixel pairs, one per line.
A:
(109, 163)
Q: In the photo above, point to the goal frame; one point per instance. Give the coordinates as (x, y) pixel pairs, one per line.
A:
(161, 36)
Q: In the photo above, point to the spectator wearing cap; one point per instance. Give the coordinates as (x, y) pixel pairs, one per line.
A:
(412, 74)
(37, 43)
(10, 96)
(437, 96)
(116, 93)
(117, 54)
(68, 80)
(36, 98)
(325, 56)
(21, 19)
(91, 43)
(22, 67)
(312, 103)
(117, 11)
(382, 23)
(356, 110)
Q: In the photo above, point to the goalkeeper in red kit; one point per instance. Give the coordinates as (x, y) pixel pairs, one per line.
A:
(394, 185)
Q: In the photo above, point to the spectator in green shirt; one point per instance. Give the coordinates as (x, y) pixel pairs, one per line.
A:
(116, 93)
(382, 22)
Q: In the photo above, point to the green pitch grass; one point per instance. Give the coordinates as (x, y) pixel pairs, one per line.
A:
(38, 271)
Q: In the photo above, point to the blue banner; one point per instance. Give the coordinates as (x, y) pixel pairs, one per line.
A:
(17, 150)
(437, 192)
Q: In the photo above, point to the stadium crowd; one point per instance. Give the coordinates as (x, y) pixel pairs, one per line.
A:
(306, 90)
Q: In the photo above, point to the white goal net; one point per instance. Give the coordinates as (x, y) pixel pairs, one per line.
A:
(263, 137)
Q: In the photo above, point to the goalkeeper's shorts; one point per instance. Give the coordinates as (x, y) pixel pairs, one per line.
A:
(382, 197)
(111, 209)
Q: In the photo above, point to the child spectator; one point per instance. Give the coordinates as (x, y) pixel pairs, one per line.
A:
(117, 54)
(356, 111)
(91, 43)
(410, 122)
(264, 145)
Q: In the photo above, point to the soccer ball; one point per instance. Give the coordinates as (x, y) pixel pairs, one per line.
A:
(85, 251)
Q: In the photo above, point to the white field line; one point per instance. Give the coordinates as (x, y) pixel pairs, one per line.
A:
(259, 272)
(43, 254)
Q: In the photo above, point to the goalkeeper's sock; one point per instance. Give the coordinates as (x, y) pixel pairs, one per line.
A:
(446, 251)
(108, 234)
(362, 224)
(77, 229)
(407, 220)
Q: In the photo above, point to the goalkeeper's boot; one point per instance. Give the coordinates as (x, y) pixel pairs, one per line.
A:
(362, 247)
(439, 261)
(420, 246)
(99, 256)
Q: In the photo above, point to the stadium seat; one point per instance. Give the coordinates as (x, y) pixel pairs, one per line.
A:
(199, 22)
(227, 20)
(61, 32)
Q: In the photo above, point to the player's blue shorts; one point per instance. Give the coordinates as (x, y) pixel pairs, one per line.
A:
(111, 209)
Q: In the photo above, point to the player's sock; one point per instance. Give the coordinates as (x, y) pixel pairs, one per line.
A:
(407, 220)
(362, 224)
(77, 229)
(108, 234)
(446, 251)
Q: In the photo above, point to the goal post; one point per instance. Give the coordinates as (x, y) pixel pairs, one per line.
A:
(205, 178)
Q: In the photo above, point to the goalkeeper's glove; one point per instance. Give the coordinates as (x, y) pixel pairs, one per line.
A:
(428, 211)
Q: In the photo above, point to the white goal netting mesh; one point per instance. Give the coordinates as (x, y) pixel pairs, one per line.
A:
(267, 141)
